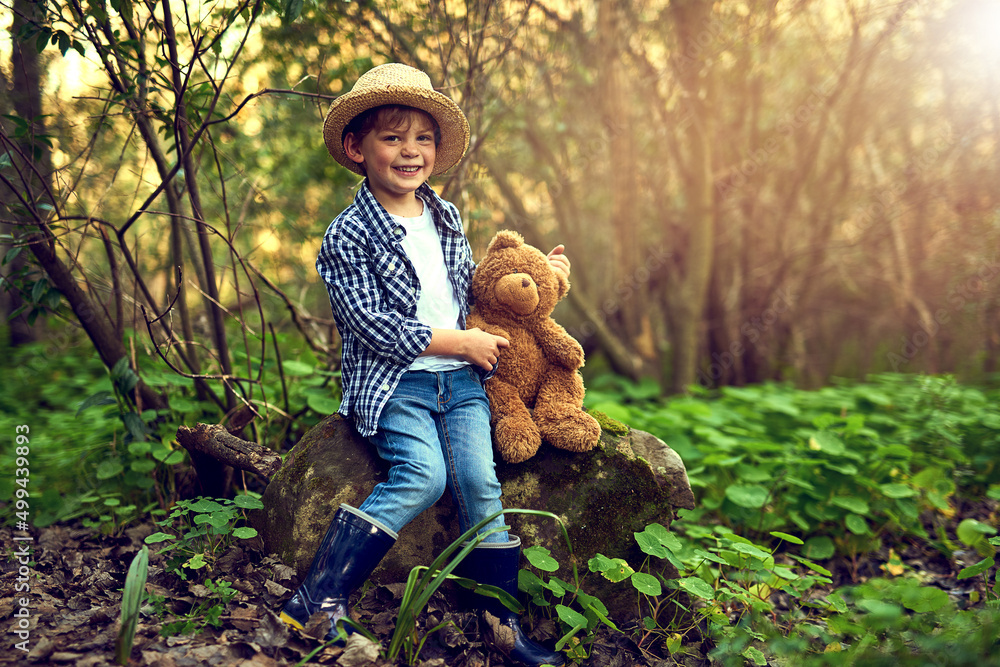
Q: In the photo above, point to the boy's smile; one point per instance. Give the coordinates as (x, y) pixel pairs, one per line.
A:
(396, 161)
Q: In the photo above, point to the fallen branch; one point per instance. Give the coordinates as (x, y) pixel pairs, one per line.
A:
(215, 441)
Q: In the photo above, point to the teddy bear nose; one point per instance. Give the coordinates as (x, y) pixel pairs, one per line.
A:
(525, 282)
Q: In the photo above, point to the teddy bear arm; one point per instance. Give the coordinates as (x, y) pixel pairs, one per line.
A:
(560, 348)
(474, 320)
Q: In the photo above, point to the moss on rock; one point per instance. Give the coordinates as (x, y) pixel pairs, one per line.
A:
(609, 425)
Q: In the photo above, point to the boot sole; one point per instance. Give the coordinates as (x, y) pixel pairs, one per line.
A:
(288, 620)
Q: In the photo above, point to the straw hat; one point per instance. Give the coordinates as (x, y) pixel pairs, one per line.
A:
(395, 83)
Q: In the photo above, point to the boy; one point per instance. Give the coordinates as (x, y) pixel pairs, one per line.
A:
(397, 266)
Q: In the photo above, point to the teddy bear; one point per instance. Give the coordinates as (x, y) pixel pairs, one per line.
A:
(536, 392)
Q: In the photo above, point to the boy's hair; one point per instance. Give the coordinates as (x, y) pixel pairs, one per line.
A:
(392, 116)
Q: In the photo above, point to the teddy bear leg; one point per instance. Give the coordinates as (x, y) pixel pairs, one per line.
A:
(514, 433)
(516, 438)
(560, 416)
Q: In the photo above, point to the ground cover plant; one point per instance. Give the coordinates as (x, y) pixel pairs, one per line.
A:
(855, 524)
(862, 473)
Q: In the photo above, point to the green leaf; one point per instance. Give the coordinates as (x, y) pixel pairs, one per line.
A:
(785, 573)
(856, 524)
(977, 569)
(109, 468)
(12, 253)
(245, 532)
(615, 569)
(204, 505)
(143, 466)
(541, 558)
(135, 426)
(158, 537)
(297, 368)
(132, 596)
(819, 547)
(322, 404)
(701, 553)
(175, 457)
(851, 503)
(139, 447)
(100, 398)
(697, 587)
(196, 562)
(827, 442)
(750, 496)
(897, 490)
(656, 540)
(837, 602)
(248, 502)
(749, 550)
(573, 619)
(786, 537)
(646, 584)
(922, 599)
(879, 609)
(754, 655)
(971, 532)
(293, 8)
(650, 545)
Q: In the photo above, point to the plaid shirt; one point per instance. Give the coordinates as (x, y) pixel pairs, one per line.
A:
(373, 291)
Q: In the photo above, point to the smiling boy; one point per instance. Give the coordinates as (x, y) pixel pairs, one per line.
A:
(397, 267)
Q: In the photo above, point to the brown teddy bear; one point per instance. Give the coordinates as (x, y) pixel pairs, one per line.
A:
(514, 291)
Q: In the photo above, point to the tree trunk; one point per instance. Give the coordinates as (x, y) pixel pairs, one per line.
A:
(24, 101)
(688, 301)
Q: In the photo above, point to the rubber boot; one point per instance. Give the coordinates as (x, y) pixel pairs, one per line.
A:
(351, 548)
(496, 564)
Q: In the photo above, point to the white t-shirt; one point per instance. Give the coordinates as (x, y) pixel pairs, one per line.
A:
(437, 305)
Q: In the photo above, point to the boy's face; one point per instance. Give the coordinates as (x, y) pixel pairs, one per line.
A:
(396, 160)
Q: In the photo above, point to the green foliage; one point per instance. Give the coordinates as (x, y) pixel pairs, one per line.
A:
(424, 581)
(845, 464)
(101, 460)
(726, 590)
(207, 612)
(578, 612)
(97, 458)
(199, 529)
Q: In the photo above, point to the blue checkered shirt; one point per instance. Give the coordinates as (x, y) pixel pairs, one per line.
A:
(374, 290)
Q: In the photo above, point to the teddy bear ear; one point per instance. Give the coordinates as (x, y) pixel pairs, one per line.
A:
(505, 238)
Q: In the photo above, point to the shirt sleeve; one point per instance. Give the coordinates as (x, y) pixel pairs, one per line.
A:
(367, 292)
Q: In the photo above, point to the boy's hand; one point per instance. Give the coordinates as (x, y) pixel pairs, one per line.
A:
(558, 261)
(481, 348)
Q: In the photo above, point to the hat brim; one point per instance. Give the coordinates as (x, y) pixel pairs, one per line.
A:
(450, 119)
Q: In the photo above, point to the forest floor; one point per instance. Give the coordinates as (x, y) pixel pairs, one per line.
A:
(76, 581)
(77, 575)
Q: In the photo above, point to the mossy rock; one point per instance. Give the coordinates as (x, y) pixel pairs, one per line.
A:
(602, 496)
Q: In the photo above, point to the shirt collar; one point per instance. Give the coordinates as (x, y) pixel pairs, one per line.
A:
(385, 227)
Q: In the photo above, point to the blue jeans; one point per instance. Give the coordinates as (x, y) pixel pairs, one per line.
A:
(435, 433)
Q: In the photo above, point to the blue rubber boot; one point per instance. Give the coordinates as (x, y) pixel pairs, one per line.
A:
(496, 564)
(352, 547)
